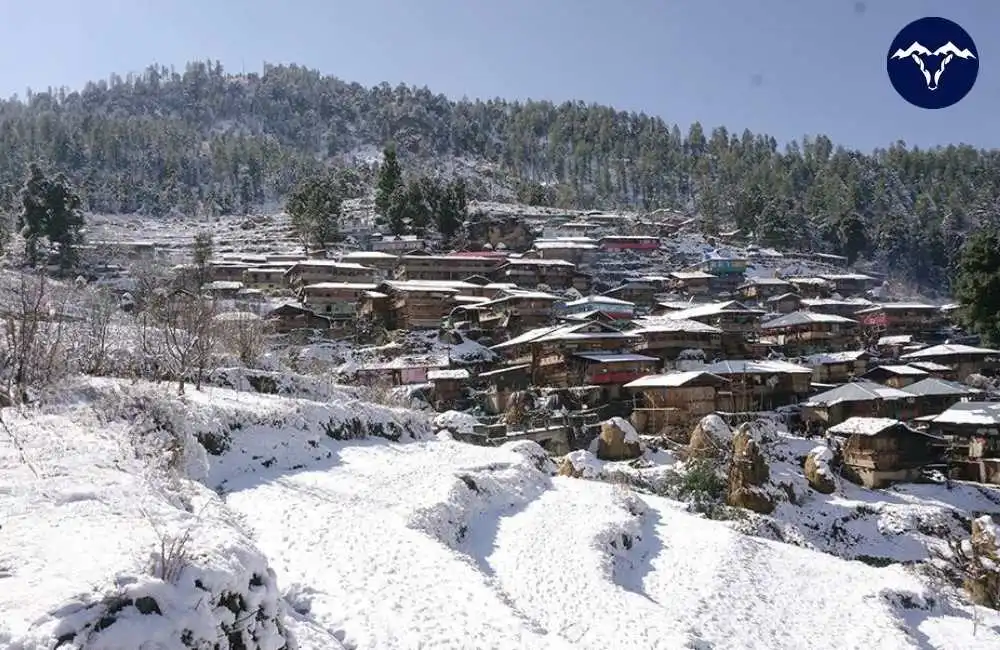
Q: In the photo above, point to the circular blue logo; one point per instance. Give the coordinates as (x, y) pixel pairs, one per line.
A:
(933, 63)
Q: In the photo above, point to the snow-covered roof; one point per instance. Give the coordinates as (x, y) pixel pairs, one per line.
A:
(611, 357)
(368, 255)
(606, 300)
(447, 373)
(530, 294)
(674, 379)
(828, 358)
(691, 275)
(857, 391)
(785, 296)
(897, 306)
(329, 264)
(711, 309)
(984, 414)
(814, 281)
(949, 350)
(549, 245)
(662, 324)
(832, 277)
(803, 318)
(898, 370)
(862, 426)
(930, 366)
(430, 285)
(898, 339)
(535, 261)
(765, 281)
(356, 286)
(836, 302)
(746, 367)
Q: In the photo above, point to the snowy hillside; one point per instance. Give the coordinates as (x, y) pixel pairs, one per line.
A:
(345, 524)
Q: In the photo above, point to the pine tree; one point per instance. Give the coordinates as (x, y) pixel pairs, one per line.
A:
(31, 220)
(315, 208)
(977, 284)
(200, 255)
(390, 178)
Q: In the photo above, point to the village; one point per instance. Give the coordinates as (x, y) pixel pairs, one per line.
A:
(576, 323)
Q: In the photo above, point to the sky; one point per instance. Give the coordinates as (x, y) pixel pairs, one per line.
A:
(788, 68)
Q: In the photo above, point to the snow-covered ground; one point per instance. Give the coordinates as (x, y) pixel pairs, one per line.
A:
(324, 538)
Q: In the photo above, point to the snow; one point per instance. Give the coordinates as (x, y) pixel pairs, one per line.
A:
(623, 425)
(863, 426)
(456, 421)
(348, 542)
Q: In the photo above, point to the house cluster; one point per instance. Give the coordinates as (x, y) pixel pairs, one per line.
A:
(666, 346)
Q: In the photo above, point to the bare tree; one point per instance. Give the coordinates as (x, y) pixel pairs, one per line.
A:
(99, 310)
(242, 333)
(187, 322)
(32, 351)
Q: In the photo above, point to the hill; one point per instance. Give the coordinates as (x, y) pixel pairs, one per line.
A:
(234, 520)
(203, 140)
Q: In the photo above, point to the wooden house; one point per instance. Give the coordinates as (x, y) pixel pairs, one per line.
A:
(223, 289)
(499, 384)
(895, 375)
(610, 368)
(444, 268)
(613, 307)
(288, 317)
(227, 271)
(965, 360)
(739, 323)
(902, 318)
(860, 398)
(577, 250)
(384, 263)
(784, 303)
(973, 433)
(760, 289)
(674, 402)
(398, 372)
(529, 273)
(728, 272)
(397, 244)
(845, 307)
(760, 385)
(404, 305)
(634, 243)
(268, 277)
(850, 284)
(811, 288)
(837, 367)
(518, 310)
(641, 294)
(334, 299)
(934, 369)
(804, 332)
(322, 270)
(668, 338)
(879, 451)
(695, 283)
(892, 347)
(934, 395)
(548, 348)
(448, 383)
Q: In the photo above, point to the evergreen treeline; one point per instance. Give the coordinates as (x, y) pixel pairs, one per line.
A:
(205, 141)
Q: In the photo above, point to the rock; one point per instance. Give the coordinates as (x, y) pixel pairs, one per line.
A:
(748, 474)
(984, 587)
(710, 438)
(618, 441)
(818, 472)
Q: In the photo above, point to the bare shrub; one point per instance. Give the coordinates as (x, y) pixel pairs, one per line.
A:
(188, 334)
(32, 350)
(172, 554)
(93, 346)
(241, 333)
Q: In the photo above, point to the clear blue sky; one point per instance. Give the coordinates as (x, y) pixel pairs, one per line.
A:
(821, 63)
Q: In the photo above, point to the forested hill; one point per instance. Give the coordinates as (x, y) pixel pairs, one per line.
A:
(203, 139)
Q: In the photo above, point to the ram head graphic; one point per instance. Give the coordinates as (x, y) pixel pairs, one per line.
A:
(944, 54)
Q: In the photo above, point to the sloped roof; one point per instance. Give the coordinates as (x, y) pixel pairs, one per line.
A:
(857, 391)
(984, 414)
(862, 426)
(828, 358)
(897, 370)
(803, 318)
(949, 350)
(934, 386)
(676, 379)
(745, 367)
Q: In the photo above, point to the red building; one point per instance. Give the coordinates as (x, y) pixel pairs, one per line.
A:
(618, 243)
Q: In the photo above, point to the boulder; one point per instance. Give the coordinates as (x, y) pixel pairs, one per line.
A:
(710, 438)
(618, 440)
(748, 475)
(580, 464)
(817, 470)
(983, 586)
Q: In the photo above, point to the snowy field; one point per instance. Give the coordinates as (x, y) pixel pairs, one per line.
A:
(343, 524)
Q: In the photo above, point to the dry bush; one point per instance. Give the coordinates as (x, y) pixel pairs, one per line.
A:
(242, 334)
(188, 329)
(33, 347)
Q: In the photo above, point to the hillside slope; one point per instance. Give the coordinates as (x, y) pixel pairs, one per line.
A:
(204, 141)
(316, 535)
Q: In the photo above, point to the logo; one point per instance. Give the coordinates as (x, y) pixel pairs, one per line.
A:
(933, 63)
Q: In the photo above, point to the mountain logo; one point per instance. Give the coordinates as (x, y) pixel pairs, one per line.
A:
(933, 63)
